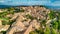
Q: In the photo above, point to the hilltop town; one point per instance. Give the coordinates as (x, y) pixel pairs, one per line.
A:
(28, 20)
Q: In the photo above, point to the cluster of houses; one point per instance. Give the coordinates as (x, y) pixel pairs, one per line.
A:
(23, 25)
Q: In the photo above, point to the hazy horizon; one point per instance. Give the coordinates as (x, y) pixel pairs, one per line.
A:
(49, 3)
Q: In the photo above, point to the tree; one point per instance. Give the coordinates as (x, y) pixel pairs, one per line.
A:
(47, 30)
(53, 31)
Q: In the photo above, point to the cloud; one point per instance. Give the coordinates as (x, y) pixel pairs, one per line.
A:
(2, 1)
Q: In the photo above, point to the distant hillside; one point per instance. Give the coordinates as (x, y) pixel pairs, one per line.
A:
(48, 7)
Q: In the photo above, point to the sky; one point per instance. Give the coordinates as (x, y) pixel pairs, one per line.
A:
(53, 3)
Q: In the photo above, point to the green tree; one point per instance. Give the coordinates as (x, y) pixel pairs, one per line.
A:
(47, 30)
(53, 31)
(33, 32)
(55, 25)
(51, 14)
